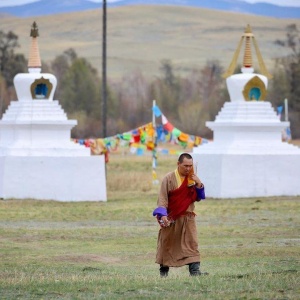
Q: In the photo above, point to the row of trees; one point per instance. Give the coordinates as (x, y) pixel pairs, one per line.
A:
(187, 102)
(286, 80)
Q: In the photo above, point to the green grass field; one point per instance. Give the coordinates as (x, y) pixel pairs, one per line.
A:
(106, 250)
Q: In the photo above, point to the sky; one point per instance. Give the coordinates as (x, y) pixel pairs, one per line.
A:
(277, 2)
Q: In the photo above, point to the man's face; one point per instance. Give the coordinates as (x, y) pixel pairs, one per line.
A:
(184, 168)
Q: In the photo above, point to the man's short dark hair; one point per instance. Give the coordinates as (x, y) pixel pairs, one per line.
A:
(182, 156)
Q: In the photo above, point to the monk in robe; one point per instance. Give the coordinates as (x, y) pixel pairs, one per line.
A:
(177, 243)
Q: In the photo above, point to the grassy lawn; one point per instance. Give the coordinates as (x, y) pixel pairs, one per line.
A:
(95, 250)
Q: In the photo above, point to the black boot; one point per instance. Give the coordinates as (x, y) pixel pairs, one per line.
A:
(194, 269)
(164, 270)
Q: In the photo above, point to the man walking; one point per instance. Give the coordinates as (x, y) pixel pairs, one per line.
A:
(177, 243)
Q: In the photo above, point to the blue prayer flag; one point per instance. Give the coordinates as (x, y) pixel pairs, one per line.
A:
(156, 111)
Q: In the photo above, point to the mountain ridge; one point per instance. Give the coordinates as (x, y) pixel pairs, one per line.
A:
(44, 7)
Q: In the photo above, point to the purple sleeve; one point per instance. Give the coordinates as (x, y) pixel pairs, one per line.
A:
(160, 212)
(200, 193)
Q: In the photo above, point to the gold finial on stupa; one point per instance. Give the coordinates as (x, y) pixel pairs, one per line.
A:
(34, 32)
(247, 62)
(34, 53)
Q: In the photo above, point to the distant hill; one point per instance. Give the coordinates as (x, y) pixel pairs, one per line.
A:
(260, 8)
(140, 37)
(46, 7)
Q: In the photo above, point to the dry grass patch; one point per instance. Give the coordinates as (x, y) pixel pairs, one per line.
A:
(87, 258)
(140, 37)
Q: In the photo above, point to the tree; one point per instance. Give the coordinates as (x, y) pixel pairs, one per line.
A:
(79, 90)
(291, 66)
(204, 93)
(192, 118)
(2, 94)
(166, 90)
(16, 64)
(10, 63)
(212, 89)
(80, 95)
(279, 85)
(80, 87)
(134, 100)
(60, 65)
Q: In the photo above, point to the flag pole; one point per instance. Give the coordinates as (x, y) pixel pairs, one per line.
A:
(288, 136)
(154, 151)
(286, 113)
(104, 79)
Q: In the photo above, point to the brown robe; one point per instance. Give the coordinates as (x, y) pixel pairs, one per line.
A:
(177, 244)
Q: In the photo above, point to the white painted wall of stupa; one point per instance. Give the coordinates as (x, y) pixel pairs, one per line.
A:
(38, 160)
(247, 157)
(37, 157)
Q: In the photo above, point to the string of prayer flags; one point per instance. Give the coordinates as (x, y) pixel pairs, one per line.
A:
(141, 139)
(167, 125)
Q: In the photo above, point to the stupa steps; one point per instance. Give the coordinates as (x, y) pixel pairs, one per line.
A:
(244, 111)
(244, 117)
(252, 147)
(35, 104)
(44, 110)
(57, 150)
(35, 111)
(17, 115)
(252, 104)
(35, 117)
(257, 117)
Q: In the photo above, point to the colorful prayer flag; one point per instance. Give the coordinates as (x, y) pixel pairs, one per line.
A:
(156, 111)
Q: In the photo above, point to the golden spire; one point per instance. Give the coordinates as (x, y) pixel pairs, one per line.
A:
(34, 32)
(247, 62)
(247, 55)
(34, 53)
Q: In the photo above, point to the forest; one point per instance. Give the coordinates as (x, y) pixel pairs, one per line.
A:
(188, 101)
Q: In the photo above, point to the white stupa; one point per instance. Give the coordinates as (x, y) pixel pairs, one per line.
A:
(247, 157)
(38, 160)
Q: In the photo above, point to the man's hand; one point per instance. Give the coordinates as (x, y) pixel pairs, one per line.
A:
(197, 180)
(165, 221)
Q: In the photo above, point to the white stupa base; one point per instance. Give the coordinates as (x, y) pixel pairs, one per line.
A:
(249, 175)
(247, 157)
(53, 178)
